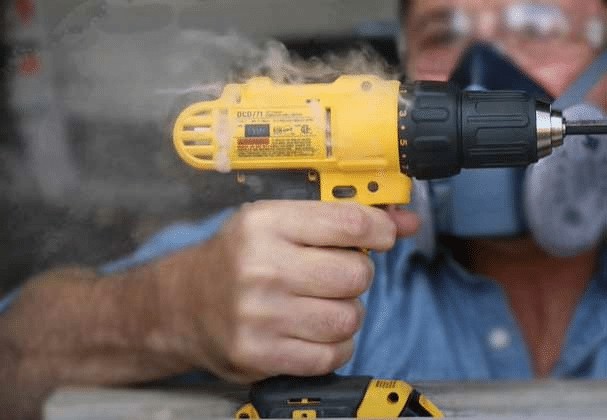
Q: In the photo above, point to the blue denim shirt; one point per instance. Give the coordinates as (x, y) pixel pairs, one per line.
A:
(437, 321)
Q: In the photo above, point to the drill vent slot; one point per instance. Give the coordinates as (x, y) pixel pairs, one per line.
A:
(204, 157)
(198, 129)
(328, 132)
(201, 151)
(201, 142)
(197, 134)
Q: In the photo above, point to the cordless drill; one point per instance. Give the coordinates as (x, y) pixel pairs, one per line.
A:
(362, 139)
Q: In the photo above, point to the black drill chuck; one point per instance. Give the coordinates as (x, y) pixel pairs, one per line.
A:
(443, 129)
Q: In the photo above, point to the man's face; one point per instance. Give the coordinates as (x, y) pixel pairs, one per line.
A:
(548, 39)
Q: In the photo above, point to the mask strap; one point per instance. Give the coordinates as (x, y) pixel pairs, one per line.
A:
(581, 87)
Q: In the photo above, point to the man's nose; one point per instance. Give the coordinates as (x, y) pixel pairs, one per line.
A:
(487, 26)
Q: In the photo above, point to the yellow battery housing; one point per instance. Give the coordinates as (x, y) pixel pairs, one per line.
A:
(334, 396)
(345, 133)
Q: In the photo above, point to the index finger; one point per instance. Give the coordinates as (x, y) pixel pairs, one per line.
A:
(345, 225)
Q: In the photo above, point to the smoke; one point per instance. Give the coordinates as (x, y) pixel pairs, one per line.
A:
(274, 61)
(128, 87)
(117, 88)
(139, 76)
(121, 69)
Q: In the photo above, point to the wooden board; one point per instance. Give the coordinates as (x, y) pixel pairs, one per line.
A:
(551, 399)
(109, 404)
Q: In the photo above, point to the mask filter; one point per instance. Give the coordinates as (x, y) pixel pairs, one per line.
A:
(565, 194)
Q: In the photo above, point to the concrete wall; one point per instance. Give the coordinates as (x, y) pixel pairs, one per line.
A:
(115, 57)
(281, 18)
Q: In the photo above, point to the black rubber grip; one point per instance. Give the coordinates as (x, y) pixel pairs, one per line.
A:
(429, 130)
(498, 129)
(443, 129)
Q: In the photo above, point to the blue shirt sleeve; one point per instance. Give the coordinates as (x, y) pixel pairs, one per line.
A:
(170, 240)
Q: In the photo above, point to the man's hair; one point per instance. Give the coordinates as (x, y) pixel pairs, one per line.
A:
(406, 4)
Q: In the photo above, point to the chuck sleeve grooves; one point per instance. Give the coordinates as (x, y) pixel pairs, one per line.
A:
(498, 129)
(442, 129)
(428, 129)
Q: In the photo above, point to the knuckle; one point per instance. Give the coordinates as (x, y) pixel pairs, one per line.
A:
(243, 313)
(301, 361)
(256, 275)
(256, 218)
(253, 267)
(254, 315)
(328, 275)
(244, 276)
(346, 321)
(236, 352)
(390, 239)
(334, 357)
(313, 364)
(327, 362)
(345, 352)
(355, 222)
(361, 274)
(251, 217)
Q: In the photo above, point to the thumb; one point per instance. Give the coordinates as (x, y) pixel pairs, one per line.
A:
(407, 222)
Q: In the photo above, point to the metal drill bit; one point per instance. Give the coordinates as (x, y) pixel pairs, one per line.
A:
(585, 127)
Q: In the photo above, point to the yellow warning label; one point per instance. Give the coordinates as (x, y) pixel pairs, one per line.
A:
(289, 133)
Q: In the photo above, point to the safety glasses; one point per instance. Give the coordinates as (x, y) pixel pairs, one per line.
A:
(536, 31)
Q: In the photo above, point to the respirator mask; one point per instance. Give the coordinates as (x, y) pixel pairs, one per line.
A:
(561, 201)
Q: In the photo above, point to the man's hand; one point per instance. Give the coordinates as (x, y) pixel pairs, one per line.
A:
(276, 291)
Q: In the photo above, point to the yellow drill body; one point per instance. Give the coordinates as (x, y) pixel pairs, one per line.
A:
(343, 132)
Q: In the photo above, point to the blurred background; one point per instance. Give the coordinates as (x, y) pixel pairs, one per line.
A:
(89, 91)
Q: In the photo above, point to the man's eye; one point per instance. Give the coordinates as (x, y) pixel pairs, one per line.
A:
(439, 39)
(532, 31)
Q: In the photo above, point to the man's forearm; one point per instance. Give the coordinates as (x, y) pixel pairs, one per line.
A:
(72, 327)
(243, 305)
